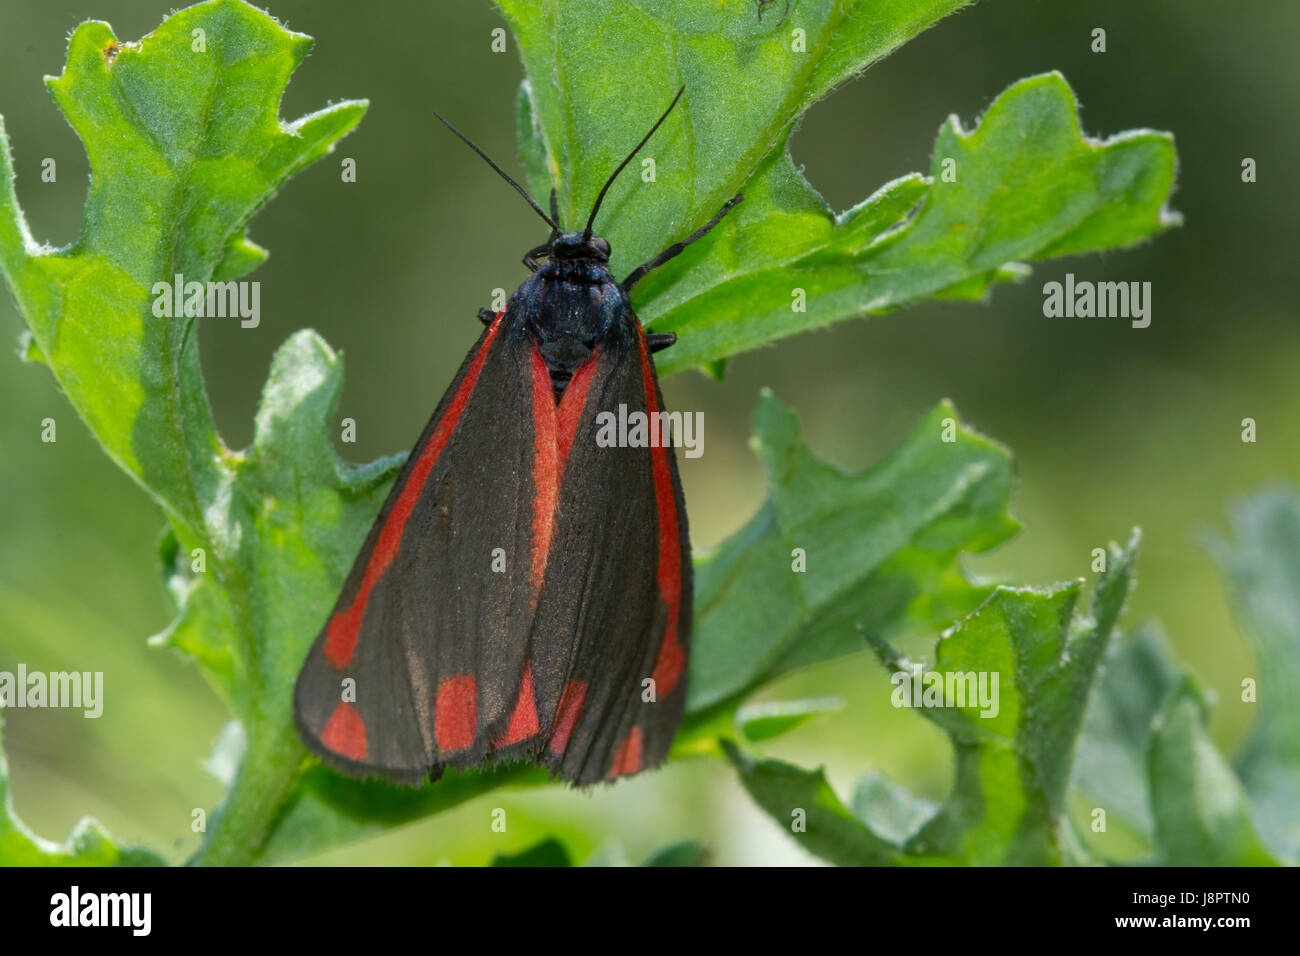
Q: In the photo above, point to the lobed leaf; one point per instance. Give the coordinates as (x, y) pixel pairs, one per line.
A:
(768, 719)
(1013, 751)
(889, 809)
(1110, 765)
(880, 550)
(185, 145)
(1024, 184)
(601, 71)
(803, 802)
(89, 844)
(1029, 185)
(1261, 565)
(1013, 761)
(1202, 814)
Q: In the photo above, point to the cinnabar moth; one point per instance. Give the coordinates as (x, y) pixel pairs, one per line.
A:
(431, 657)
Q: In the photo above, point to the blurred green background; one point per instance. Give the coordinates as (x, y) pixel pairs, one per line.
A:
(1111, 427)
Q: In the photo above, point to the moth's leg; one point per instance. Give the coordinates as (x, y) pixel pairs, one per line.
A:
(658, 341)
(530, 257)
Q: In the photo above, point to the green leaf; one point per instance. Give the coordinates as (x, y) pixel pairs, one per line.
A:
(1013, 758)
(327, 809)
(1262, 568)
(1202, 814)
(881, 551)
(548, 852)
(803, 803)
(1145, 758)
(771, 718)
(88, 844)
(888, 809)
(745, 86)
(185, 145)
(1028, 184)
(1110, 763)
(1013, 750)
(682, 853)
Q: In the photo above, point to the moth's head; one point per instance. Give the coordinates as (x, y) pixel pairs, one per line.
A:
(577, 246)
(572, 247)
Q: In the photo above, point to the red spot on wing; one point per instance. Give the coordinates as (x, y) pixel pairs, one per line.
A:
(566, 716)
(672, 654)
(554, 428)
(341, 633)
(523, 722)
(455, 713)
(345, 734)
(627, 759)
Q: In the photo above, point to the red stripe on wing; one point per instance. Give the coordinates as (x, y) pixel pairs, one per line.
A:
(341, 639)
(546, 467)
(672, 655)
(569, 414)
(554, 429)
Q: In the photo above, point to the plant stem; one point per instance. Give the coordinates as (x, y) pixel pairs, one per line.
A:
(266, 778)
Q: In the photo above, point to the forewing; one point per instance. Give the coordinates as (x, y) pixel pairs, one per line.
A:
(431, 627)
(610, 637)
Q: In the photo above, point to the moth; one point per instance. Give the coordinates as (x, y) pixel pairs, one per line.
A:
(525, 593)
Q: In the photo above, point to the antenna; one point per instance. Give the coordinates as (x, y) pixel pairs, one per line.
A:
(500, 172)
(621, 166)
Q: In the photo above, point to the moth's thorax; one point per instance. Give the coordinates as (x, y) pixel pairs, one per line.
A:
(569, 306)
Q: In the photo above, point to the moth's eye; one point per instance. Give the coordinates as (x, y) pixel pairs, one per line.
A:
(601, 246)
